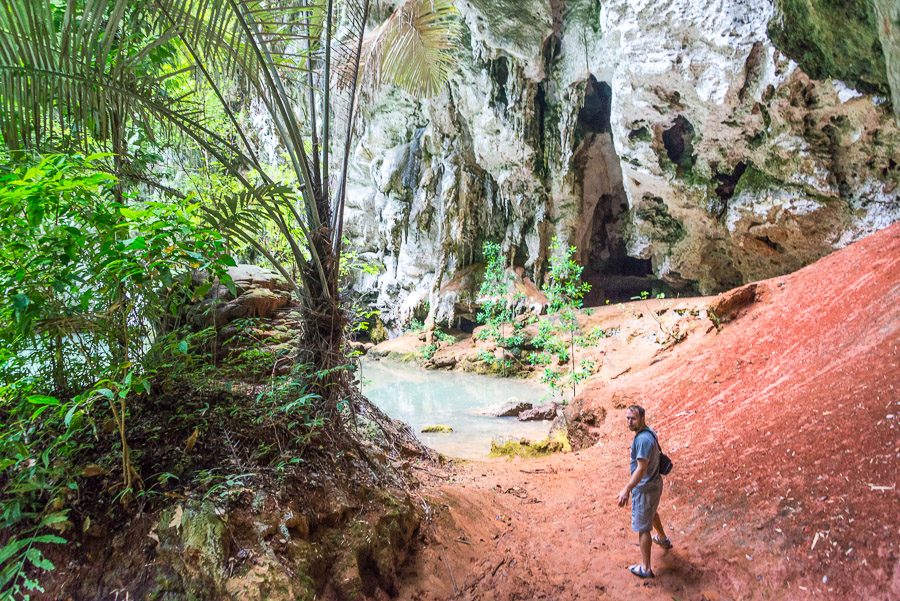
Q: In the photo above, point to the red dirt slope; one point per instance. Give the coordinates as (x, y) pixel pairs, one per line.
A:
(784, 426)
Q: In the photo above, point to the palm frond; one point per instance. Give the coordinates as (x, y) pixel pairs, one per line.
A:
(412, 49)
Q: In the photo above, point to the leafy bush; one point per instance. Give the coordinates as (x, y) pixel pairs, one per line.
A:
(90, 282)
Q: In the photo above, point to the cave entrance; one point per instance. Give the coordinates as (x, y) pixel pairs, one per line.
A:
(612, 274)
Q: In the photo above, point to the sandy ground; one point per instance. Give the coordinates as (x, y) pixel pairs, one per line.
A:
(784, 426)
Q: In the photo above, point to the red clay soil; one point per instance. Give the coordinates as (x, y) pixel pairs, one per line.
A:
(784, 426)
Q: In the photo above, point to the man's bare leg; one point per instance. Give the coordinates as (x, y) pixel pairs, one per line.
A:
(645, 540)
(658, 526)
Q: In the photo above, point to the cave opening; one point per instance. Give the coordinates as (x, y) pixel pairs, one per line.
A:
(593, 117)
(612, 273)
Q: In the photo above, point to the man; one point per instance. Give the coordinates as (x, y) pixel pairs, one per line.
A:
(645, 488)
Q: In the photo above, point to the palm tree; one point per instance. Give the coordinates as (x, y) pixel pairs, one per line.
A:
(88, 73)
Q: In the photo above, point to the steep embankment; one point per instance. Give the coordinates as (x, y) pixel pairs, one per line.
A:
(784, 429)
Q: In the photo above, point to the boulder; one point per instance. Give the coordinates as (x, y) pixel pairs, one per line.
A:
(511, 408)
(728, 305)
(445, 361)
(540, 413)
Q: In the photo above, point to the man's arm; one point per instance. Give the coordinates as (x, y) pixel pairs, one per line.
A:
(636, 477)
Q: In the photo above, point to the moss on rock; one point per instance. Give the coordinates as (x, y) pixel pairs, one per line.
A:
(437, 428)
(531, 449)
(833, 39)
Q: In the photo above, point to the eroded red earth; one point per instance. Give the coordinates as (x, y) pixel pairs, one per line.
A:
(784, 425)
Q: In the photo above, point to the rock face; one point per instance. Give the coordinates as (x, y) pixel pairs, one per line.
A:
(674, 143)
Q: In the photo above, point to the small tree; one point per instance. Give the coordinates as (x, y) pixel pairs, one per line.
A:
(566, 291)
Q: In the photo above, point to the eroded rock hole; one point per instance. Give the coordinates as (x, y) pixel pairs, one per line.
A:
(641, 134)
(678, 141)
(499, 71)
(725, 190)
(770, 243)
(371, 580)
(540, 109)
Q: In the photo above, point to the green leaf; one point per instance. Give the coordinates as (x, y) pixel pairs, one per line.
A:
(37, 558)
(20, 302)
(201, 291)
(229, 283)
(70, 414)
(53, 518)
(107, 393)
(11, 548)
(227, 260)
(42, 399)
(138, 243)
(50, 538)
(98, 155)
(132, 214)
(183, 346)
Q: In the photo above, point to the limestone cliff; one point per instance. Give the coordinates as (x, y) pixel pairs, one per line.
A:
(688, 145)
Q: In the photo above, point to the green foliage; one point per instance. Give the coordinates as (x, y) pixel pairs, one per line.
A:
(93, 277)
(87, 277)
(594, 337)
(293, 397)
(442, 336)
(427, 351)
(498, 310)
(34, 484)
(564, 287)
(503, 367)
(753, 179)
(88, 282)
(437, 429)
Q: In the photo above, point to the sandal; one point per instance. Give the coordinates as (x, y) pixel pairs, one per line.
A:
(638, 570)
(664, 543)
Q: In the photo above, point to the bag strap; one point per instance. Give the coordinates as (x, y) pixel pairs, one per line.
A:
(655, 439)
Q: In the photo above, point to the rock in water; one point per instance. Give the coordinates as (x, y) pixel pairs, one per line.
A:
(510, 408)
(437, 428)
(540, 413)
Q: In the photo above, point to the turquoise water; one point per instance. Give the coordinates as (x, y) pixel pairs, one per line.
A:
(423, 398)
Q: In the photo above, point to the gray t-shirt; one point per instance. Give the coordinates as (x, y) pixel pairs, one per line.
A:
(644, 447)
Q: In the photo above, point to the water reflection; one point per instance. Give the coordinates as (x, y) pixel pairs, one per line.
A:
(424, 398)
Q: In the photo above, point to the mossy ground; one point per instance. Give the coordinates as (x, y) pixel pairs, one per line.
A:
(530, 449)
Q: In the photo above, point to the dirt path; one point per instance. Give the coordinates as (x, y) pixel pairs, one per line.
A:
(551, 529)
(785, 433)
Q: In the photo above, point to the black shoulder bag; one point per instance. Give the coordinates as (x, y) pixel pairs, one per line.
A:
(665, 464)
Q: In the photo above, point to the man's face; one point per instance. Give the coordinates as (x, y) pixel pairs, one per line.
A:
(634, 420)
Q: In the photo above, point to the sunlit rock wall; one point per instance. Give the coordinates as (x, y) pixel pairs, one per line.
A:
(672, 142)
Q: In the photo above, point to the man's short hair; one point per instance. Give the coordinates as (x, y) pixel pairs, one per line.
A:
(638, 408)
